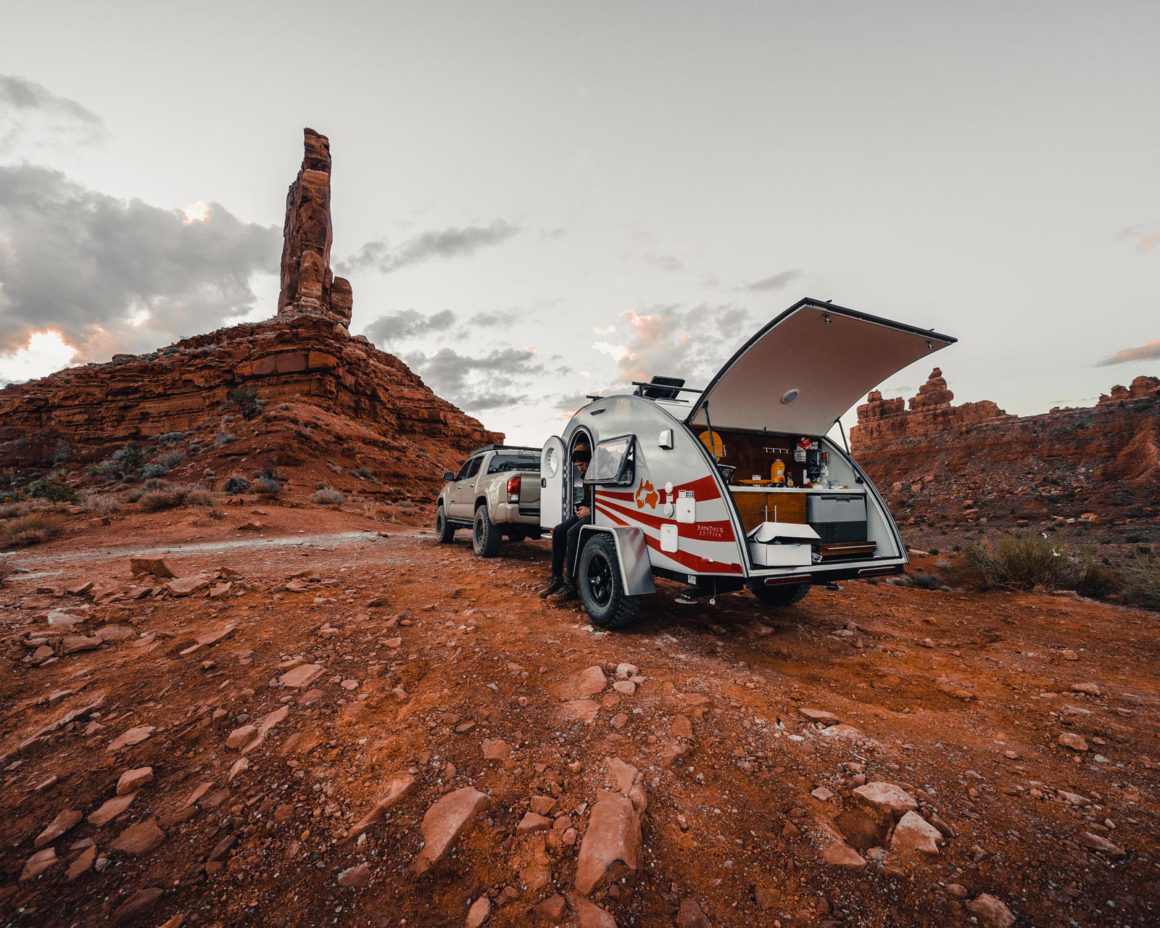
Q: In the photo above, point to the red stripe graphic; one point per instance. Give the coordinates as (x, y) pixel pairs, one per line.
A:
(719, 530)
(686, 559)
(704, 489)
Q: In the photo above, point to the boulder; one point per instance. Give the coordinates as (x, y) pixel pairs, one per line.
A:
(611, 845)
(914, 834)
(151, 566)
(444, 822)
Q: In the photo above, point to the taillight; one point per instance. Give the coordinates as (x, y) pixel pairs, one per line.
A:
(513, 489)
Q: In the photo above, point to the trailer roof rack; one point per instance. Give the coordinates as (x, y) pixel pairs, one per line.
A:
(504, 448)
(662, 388)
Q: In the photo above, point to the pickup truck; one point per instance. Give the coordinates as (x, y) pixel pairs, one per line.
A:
(496, 494)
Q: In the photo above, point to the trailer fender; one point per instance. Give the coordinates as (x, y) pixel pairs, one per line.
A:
(631, 553)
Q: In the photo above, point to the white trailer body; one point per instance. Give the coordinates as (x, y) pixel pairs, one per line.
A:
(687, 488)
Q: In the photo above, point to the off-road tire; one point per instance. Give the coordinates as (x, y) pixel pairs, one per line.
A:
(485, 534)
(600, 587)
(444, 530)
(785, 595)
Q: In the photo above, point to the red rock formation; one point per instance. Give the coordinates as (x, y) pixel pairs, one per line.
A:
(945, 466)
(308, 284)
(321, 388)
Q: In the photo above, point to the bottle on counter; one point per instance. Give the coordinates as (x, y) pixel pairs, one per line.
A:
(777, 472)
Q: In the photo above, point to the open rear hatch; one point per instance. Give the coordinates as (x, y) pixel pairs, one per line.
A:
(807, 367)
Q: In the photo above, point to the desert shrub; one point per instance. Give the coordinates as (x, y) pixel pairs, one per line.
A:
(173, 458)
(1012, 562)
(267, 486)
(54, 491)
(130, 456)
(135, 494)
(155, 483)
(31, 529)
(245, 400)
(22, 508)
(223, 438)
(1139, 581)
(169, 438)
(926, 581)
(1091, 578)
(364, 474)
(5, 570)
(199, 496)
(60, 452)
(103, 503)
(327, 496)
(154, 470)
(168, 498)
(237, 484)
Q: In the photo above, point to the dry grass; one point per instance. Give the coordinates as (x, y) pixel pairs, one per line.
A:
(1140, 581)
(31, 529)
(173, 497)
(1013, 562)
(23, 508)
(102, 503)
(327, 496)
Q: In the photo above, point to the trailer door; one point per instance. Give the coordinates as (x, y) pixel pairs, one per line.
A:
(807, 367)
(553, 477)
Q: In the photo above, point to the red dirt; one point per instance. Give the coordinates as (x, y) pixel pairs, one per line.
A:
(478, 646)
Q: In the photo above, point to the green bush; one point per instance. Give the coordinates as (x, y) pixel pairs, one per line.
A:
(246, 400)
(130, 456)
(55, 491)
(267, 486)
(1140, 581)
(237, 484)
(1013, 562)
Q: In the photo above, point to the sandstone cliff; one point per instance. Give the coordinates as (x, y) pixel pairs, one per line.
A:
(302, 366)
(947, 467)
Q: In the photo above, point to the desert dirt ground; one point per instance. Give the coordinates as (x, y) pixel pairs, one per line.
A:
(419, 661)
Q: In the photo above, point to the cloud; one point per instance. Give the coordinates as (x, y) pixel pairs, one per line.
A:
(111, 275)
(1150, 351)
(1146, 236)
(442, 243)
(673, 341)
(664, 262)
(773, 282)
(489, 320)
(30, 113)
(407, 324)
(478, 383)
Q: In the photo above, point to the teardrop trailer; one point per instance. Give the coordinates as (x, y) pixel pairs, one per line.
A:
(736, 485)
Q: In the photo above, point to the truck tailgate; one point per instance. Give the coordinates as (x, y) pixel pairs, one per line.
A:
(529, 493)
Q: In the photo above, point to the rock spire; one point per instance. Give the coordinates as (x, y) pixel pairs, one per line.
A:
(308, 284)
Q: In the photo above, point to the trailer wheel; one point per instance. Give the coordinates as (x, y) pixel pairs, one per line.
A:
(785, 595)
(444, 530)
(485, 535)
(601, 589)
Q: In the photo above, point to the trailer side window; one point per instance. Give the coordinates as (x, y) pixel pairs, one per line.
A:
(612, 464)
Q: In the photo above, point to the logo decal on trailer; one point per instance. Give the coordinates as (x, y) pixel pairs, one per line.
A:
(647, 495)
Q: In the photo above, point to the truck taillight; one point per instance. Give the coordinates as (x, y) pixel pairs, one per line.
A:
(513, 489)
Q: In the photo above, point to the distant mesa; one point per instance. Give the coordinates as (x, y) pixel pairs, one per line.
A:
(946, 466)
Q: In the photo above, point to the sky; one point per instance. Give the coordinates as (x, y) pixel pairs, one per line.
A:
(539, 200)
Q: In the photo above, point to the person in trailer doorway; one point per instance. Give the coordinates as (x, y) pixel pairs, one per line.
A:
(566, 535)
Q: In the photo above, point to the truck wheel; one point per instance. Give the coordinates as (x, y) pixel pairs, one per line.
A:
(601, 589)
(444, 531)
(785, 595)
(485, 535)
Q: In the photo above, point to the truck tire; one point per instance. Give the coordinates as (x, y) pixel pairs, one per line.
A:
(600, 586)
(785, 595)
(444, 530)
(485, 534)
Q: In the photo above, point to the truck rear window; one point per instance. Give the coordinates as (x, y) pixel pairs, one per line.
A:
(502, 462)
